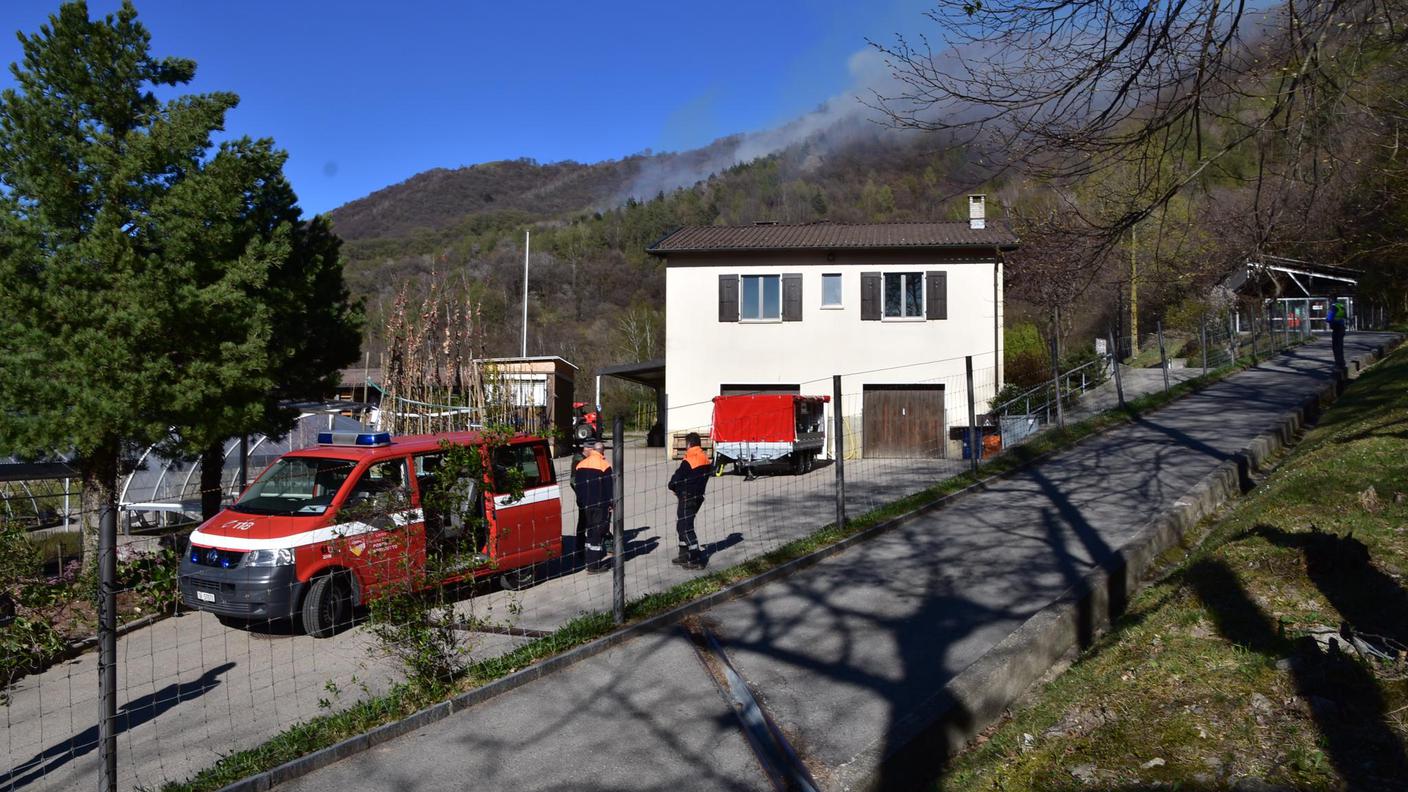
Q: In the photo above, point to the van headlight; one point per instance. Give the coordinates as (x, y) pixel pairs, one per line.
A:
(269, 558)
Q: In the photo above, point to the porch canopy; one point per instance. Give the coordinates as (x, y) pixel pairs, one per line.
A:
(651, 374)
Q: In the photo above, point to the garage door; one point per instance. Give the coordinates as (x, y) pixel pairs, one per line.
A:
(904, 421)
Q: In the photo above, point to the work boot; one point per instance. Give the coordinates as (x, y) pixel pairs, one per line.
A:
(696, 560)
(682, 559)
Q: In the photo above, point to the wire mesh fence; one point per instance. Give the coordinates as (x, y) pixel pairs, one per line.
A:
(293, 603)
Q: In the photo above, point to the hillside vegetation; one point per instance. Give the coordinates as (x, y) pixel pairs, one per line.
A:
(1131, 225)
(595, 296)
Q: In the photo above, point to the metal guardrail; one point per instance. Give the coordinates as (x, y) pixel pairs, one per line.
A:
(1043, 391)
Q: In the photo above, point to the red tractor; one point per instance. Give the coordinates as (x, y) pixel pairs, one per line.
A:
(586, 423)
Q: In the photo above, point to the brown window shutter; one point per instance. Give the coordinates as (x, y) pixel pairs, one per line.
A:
(870, 296)
(936, 296)
(791, 298)
(728, 298)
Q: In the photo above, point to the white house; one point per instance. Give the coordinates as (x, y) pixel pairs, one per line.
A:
(893, 308)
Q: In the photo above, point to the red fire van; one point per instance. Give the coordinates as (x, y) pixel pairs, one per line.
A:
(282, 552)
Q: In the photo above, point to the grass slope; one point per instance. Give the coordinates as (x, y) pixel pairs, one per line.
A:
(1229, 673)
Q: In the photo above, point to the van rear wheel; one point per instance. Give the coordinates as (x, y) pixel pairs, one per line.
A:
(327, 608)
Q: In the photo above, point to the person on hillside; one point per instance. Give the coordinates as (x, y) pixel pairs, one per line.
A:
(688, 484)
(1335, 318)
(592, 481)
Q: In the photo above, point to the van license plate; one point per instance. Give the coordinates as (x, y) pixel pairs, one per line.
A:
(205, 596)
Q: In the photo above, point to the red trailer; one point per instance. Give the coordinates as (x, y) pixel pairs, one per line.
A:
(769, 428)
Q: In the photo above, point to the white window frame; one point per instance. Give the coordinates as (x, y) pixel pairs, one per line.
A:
(841, 297)
(760, 319)
(923, 308)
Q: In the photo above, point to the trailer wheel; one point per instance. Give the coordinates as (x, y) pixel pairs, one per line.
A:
(808, 462)
(799, 463)
(520, 578)
(327, 607)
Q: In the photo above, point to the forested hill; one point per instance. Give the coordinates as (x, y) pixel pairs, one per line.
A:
(595, 297)
(440, 197)
(443, 197)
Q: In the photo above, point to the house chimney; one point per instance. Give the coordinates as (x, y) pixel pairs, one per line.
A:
(977, 211)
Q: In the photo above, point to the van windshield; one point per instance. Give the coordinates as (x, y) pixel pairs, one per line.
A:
(299, 486)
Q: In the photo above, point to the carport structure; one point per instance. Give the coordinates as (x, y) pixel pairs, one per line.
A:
(1296, 293)
(651, 374)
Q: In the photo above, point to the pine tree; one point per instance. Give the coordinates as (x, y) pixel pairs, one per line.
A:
(151, 290)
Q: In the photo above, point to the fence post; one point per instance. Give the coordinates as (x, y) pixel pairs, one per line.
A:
(975, 450)
(1115, 359)
(618, 520)
(107, 644)
(244, 464)
(1056, 383)
(1232, 350)
(1204, 345)
(1254, 324)
(839, 446)
(1163, 355)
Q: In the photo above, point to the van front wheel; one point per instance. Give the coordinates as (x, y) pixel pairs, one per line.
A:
(327, 608)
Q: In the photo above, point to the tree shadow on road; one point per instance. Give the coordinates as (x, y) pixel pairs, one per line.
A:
(129, 716)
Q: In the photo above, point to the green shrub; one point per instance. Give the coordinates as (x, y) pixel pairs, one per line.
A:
(29, 640)
(1026, 361)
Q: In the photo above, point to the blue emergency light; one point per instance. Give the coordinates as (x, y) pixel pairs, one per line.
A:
(366, 439)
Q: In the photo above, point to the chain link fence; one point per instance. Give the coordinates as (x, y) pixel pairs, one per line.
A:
(212, 648)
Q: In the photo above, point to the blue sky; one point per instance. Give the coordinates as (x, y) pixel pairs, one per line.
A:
(366, 93)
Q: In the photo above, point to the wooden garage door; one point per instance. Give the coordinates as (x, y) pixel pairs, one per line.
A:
(904, 421)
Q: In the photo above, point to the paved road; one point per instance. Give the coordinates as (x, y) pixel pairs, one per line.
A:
(843, 652)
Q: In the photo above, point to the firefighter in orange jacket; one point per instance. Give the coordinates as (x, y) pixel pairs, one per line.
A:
(688, 484)
(591, 480)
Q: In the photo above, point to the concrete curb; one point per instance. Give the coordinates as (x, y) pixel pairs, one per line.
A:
(1010, 648)
(980, 694)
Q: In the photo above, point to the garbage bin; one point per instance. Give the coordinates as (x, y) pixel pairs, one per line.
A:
(988, 438)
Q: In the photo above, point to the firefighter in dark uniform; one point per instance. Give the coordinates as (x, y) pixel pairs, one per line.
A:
(688, 484)
(592, 481)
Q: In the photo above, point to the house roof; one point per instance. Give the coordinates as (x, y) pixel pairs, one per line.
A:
(832, 236)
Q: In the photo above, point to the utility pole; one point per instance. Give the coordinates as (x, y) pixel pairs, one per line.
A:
(526, 239)
(1133, 295)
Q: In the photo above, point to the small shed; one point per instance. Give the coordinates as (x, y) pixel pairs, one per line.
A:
(543, 388)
